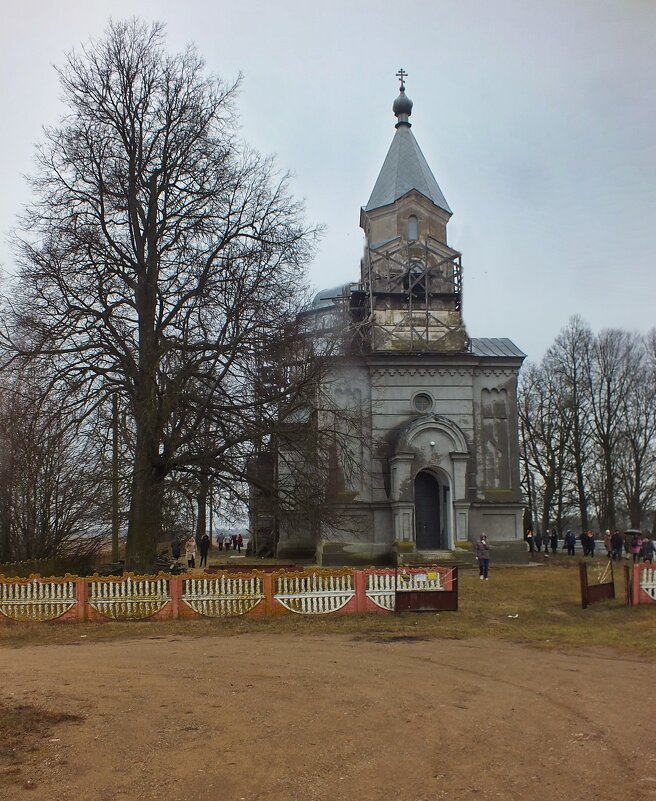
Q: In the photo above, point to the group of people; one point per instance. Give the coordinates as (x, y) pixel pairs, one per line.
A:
(191, 548)
(631, 544)
(534, 542)
(224, 541)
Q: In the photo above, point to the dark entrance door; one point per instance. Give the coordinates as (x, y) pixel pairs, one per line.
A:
(427, 512)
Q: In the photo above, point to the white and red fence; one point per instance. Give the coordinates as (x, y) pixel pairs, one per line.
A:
(225, 594)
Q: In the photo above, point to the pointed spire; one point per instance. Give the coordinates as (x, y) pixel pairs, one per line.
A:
(405, 167)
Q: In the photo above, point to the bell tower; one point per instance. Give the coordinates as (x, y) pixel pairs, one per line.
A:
(411, 279)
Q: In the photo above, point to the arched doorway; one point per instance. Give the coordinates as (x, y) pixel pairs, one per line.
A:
(430, 501)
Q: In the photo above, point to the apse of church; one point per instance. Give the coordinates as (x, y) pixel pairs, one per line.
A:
(436, 453)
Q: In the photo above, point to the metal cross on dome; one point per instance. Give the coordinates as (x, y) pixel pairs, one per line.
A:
(402, 75)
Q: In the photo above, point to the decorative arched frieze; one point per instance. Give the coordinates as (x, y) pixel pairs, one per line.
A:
(496, 373)
(431, 372)
(432, 421)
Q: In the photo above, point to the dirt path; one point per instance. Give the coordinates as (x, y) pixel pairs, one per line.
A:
(331, 718)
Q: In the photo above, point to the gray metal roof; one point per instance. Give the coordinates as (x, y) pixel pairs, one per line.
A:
(326, 297)
(496, 347)
(405, 168)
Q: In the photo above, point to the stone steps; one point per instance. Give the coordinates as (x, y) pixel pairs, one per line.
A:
(459, 557)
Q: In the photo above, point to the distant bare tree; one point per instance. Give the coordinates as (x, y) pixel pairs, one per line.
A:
(157, 256)
(546, 420)
(611, 371)
(53, 497)
(568, 358)
(636, 457)
(588, 427)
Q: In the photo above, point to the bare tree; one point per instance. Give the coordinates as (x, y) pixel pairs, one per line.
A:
(157, 255)
(588, 426)
(568, 358)
(636, 452)
(546, 421)
(53, 499)
(610, 373)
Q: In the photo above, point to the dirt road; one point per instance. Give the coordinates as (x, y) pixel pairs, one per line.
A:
(330, 718)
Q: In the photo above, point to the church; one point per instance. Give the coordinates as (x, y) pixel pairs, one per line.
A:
(436, 459)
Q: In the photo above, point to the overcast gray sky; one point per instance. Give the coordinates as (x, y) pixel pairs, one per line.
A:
(538, 118)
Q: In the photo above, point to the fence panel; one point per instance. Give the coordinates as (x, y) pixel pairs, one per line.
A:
(315, 592)
(37, 599)
(644, 583)
(128, 597)
(226, 595)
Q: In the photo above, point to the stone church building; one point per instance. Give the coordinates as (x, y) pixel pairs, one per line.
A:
(437, 460)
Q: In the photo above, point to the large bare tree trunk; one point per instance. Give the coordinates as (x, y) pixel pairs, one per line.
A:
(201, 503)
(145, 518)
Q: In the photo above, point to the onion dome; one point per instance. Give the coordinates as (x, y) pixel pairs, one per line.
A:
(402, 108)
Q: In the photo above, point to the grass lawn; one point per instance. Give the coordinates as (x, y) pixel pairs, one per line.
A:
(536, 605)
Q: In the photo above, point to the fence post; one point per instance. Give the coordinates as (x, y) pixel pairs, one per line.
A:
(635, 583)
(628, 595)
(82, 597)
(360, 586)
(175, 585)
(267, 587)
(583, 575)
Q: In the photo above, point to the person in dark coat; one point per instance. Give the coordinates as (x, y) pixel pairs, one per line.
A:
(616, 545)
(175, 548)
(538, 541)
(553, 541)
(204, 549)
(483, 557)
(570, 543)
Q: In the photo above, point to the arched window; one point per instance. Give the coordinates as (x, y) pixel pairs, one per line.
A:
(413, 228)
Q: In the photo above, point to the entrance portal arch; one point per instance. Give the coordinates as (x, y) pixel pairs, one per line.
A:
(431, 512)
(428, 471)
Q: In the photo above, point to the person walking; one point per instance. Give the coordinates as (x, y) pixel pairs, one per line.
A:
(589, 547)
(530, 542)
(240, 542)
(538, 541)
(553, 541)
(483, 557)
(190, 551)
(570, 543)
(204, 549)
(226, 542)
(636, 546)
(608, 545)
(175, 548)
(648, 550)
(616, 545)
